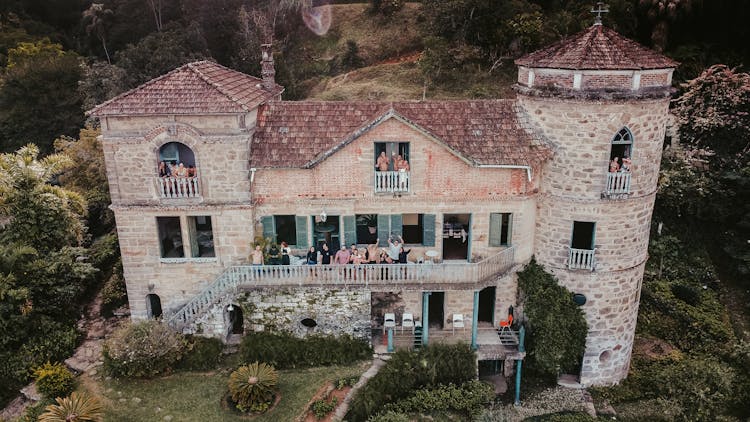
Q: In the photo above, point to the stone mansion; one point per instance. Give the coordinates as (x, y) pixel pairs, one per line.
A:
(204, 160)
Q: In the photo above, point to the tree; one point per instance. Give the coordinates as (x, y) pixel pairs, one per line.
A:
(97, 19)
(39, 98)
(662, 13)
(100, 82)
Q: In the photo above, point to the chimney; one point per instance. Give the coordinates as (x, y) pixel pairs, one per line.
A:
(267, 71)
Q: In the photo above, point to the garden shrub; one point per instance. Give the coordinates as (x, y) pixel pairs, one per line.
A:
(202, 354)
(408, 371)
(342, 383)
(78, 407)
(389, 416)
(468, 399)
(143, 349)
(563, 417)
(54, 380)
(285, 351)
(253, 386)
(552, 347)
(114, 292)
(321, 408)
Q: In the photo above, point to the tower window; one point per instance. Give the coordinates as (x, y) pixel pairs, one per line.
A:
(583, 235)
(621, 151)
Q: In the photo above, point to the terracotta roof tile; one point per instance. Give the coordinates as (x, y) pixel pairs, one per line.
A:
(202, 87)
(597, 48)
(484, 132)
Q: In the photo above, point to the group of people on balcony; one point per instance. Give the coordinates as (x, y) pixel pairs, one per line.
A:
(372, 254)
(399, 163)
(172, 169)
(617, 165)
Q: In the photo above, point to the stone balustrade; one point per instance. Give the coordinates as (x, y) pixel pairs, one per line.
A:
(582, 259)
(443, 276)
(618, 183)
(392, 181)
(177, 187)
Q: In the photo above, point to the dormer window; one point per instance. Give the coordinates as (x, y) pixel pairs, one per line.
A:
(177, 171)
(392, 167)
(620, 164)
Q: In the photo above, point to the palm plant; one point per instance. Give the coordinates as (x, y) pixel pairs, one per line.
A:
(76, 408)
(253, 385)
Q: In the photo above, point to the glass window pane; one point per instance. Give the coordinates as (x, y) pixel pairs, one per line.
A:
(201, 237)
(286, 229)
(170, 237)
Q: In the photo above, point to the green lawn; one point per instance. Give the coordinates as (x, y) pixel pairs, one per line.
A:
(194, 396)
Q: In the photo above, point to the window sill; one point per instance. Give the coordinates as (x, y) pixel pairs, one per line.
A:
(186, 260)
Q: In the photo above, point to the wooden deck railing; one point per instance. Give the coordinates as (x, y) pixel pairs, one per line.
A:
(178, 187)
(392, 276)
(392, 181)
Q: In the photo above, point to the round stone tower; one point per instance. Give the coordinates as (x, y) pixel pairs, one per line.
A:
(601, 101)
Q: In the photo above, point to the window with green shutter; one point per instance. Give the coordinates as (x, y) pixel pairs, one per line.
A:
(301, 222)
(396, 226)
(384, 229)
(269, 228)
(350, 229)
(428, 230)
(500, 229)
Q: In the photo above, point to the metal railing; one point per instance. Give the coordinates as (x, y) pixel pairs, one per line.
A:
(392, 181)
(342, 276)
(618, 183)
(178, 187)
(582, 259)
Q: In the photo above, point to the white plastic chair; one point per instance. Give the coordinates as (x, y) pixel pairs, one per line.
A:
(407, 320)
(458, 322)
(389, 321)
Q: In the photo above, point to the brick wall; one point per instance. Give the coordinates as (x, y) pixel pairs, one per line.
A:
(609, 81)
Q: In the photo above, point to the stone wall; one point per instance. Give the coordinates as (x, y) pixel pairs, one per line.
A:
(336, 312)
(177, 280)
(571, 190)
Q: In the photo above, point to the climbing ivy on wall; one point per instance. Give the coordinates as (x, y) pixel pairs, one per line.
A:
(555, 325)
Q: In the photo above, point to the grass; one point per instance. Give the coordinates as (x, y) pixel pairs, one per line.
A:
(192, 396)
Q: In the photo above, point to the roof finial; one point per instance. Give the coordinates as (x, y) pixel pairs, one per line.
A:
(600, 8)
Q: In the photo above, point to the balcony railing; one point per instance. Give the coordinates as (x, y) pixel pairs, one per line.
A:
(618, 183)
(582, 259)
(391, 276)
(178, 187)
(392, 181)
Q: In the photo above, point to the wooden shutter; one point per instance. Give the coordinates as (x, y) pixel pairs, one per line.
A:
(301, 226)
(269, 227)
(428, 229)
(510, 229)
(496, 229)
(384, 229)
(350, 230)
(397, 225)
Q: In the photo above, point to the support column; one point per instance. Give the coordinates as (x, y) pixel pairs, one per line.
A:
(425, 316)
(390, 340)
(519, 362)
(474, 320)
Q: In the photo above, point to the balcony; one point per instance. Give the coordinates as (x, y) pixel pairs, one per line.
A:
(618, 183)
(419, 277)
(392, 181)
(582, 259)
(177, 187)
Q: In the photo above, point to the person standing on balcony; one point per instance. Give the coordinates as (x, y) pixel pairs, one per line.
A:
(403, 255)
(342, 256)
(274, 255)
(325, 254)
(614, 165)
(257, 256)
(352, 253)
(373, 255)
(394, 248)
(403, 167)
(312, 256)
(164, 170)
(382, 162)
(285, 251)
(626, 163)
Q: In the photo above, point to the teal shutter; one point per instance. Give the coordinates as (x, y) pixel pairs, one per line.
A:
(350, 230)
(269, 227)
(428, 229)
(496, 229)
(301, 226)
(397, 224)
(384, 229)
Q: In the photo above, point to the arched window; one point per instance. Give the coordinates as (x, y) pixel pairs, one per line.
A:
(620, 164)
(620, 153)
(177, 172)
(153, 306)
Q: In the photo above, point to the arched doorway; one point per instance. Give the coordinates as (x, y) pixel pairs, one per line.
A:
(153, 306)
(235, 319)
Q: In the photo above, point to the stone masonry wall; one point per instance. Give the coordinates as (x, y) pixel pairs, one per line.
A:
(441, 183)
(177, 280)
(571, 191)
(336, 312)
